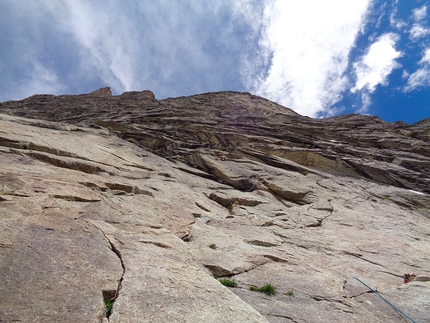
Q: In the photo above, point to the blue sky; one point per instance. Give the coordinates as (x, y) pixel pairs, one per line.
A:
(319, 58)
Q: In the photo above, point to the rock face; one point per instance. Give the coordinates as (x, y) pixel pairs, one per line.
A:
(147, 203)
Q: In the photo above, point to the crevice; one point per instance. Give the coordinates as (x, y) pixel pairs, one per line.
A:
(203, 207)
(284, 316)
(366, 292)
(319, 222)
(360, 256)
(65, 160)
(74, 163)
(198, 173)
(261, 243)
(390, 273)
(329, 299)
(118, 289)
(73, 198)
(155, 243)
(110, 296)
(218, 271)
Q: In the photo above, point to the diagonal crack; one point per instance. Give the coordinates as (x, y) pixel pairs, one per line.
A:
(360, 256)
(284, 316)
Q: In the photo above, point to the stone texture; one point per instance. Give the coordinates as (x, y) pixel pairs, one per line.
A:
(121, 196)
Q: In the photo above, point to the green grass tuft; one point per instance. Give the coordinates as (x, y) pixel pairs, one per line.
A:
(268, 289)
(212, 246)
(108, 307)
(228, 282)
(289, 293)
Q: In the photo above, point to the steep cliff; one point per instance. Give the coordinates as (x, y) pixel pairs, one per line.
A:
(145, 203)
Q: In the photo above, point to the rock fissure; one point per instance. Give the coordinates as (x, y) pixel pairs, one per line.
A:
(362, 258)
(292, 319)
(219, 271)
(112, 296)
(360, 294)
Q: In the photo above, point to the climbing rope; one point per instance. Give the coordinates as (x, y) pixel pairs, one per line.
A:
(371, 289)
(274, 232)
(385, 300)
(249, 190)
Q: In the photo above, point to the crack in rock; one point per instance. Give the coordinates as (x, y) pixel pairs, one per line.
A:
(220, 271)
(284, 316)
(118, 254)
(360, 256)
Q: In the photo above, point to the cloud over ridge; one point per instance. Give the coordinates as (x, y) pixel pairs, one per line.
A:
(310, 42)
(306, 55)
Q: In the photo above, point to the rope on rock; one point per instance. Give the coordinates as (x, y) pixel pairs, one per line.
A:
(249, 190)
(385, 300)
(274, 232)
(370, 288)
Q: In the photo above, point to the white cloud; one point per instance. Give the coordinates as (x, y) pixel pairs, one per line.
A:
(109, 41)
(42, 80)
(375, 66)
(418, 29)
(426, 57)
(420, 13)
(366, 101)
(171, 47)
(394, 20)
(421, 77)
(24, 73)
(308, 43)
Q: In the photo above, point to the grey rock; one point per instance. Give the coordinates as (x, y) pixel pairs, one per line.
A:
(120, 197)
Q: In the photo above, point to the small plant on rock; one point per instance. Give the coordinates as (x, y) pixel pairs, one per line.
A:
(228, 282)
(212, 246)
(268, 289)
(108, 307)
(289, 293)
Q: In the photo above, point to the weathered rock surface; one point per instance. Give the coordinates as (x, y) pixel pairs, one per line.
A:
(120, 197)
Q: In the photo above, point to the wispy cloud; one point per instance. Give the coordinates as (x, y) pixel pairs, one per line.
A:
(420, 13)
(419, 29)
(42, 80)
(297, 53)
(307, 44)
(171, 47)
(375, 66)
(394, 20)
(107, 43)
(23, 70)
(421, 77)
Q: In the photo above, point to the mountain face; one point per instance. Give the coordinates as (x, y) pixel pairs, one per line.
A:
(144, 205)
